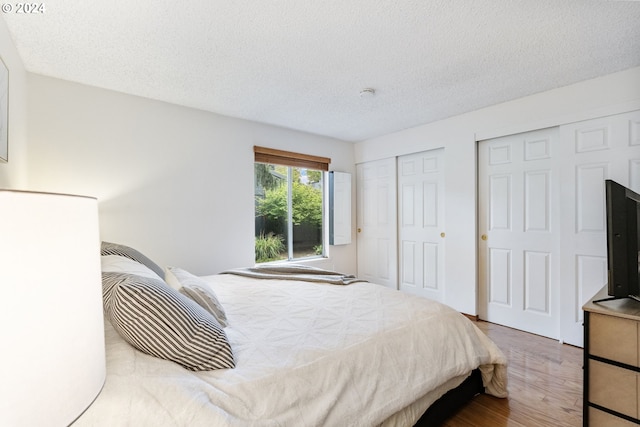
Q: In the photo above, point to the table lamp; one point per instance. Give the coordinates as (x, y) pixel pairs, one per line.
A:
(52, 352)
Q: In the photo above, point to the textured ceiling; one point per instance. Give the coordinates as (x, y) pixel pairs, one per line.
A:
(301, 64)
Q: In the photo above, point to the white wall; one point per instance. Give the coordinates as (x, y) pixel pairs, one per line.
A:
(174, 182)
(610, 94)
(13, 174)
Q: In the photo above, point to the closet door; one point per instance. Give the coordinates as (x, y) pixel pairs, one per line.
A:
(421, 223)
(518, 214)
(542, 252)
(376, 222)
(594, 150)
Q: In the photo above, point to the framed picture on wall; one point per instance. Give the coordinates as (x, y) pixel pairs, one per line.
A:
(4, 112)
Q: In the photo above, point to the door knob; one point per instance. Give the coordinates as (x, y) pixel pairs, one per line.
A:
(359, 230)
(484, 237)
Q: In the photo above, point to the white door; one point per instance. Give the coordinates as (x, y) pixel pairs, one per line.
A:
(514, 285)
(376, 222)
(421, 223)
(518, 194)
(594, 150)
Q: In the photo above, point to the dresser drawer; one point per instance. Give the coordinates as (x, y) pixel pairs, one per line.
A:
(599, 418)
(614, 388)
(613, 338)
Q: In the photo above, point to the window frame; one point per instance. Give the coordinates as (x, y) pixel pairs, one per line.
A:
(297, 160)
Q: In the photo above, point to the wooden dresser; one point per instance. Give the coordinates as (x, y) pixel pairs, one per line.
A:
(611, 363)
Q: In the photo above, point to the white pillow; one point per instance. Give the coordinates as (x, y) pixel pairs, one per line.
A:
(198, 290)
(120, 264)
(171, 279)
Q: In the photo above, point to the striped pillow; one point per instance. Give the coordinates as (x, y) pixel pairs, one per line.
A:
(120, 264)
(161, 322)
(198, 290)
(107, 248)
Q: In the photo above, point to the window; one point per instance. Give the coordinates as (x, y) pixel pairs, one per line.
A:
(289, 205)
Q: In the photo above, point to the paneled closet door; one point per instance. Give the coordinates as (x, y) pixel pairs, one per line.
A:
(421, 226)
(376, 221)
(518, 214)
(594, 150)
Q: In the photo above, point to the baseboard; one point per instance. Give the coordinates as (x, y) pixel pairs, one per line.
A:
(473, 317)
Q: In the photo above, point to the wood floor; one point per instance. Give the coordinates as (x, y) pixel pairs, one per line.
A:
(545, 384)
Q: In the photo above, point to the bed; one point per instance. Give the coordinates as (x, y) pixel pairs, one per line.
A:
(296, 353)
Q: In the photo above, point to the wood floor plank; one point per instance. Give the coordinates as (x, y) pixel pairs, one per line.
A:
(545, 384)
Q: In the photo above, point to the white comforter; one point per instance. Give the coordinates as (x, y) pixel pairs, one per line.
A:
(307, 354)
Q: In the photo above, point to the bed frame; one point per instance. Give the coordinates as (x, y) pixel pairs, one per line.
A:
(453, 400)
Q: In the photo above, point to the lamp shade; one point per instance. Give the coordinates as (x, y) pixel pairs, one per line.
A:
(52, 352)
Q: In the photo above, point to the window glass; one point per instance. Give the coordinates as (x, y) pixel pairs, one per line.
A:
(289, 210)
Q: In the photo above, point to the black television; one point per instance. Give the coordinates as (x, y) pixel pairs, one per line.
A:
(623, 257)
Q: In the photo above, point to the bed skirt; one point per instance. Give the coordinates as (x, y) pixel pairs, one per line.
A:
(452, 401)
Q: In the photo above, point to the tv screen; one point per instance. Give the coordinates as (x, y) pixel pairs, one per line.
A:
(623, 258)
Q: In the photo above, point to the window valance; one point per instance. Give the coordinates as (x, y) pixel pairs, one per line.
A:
(288, 158)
